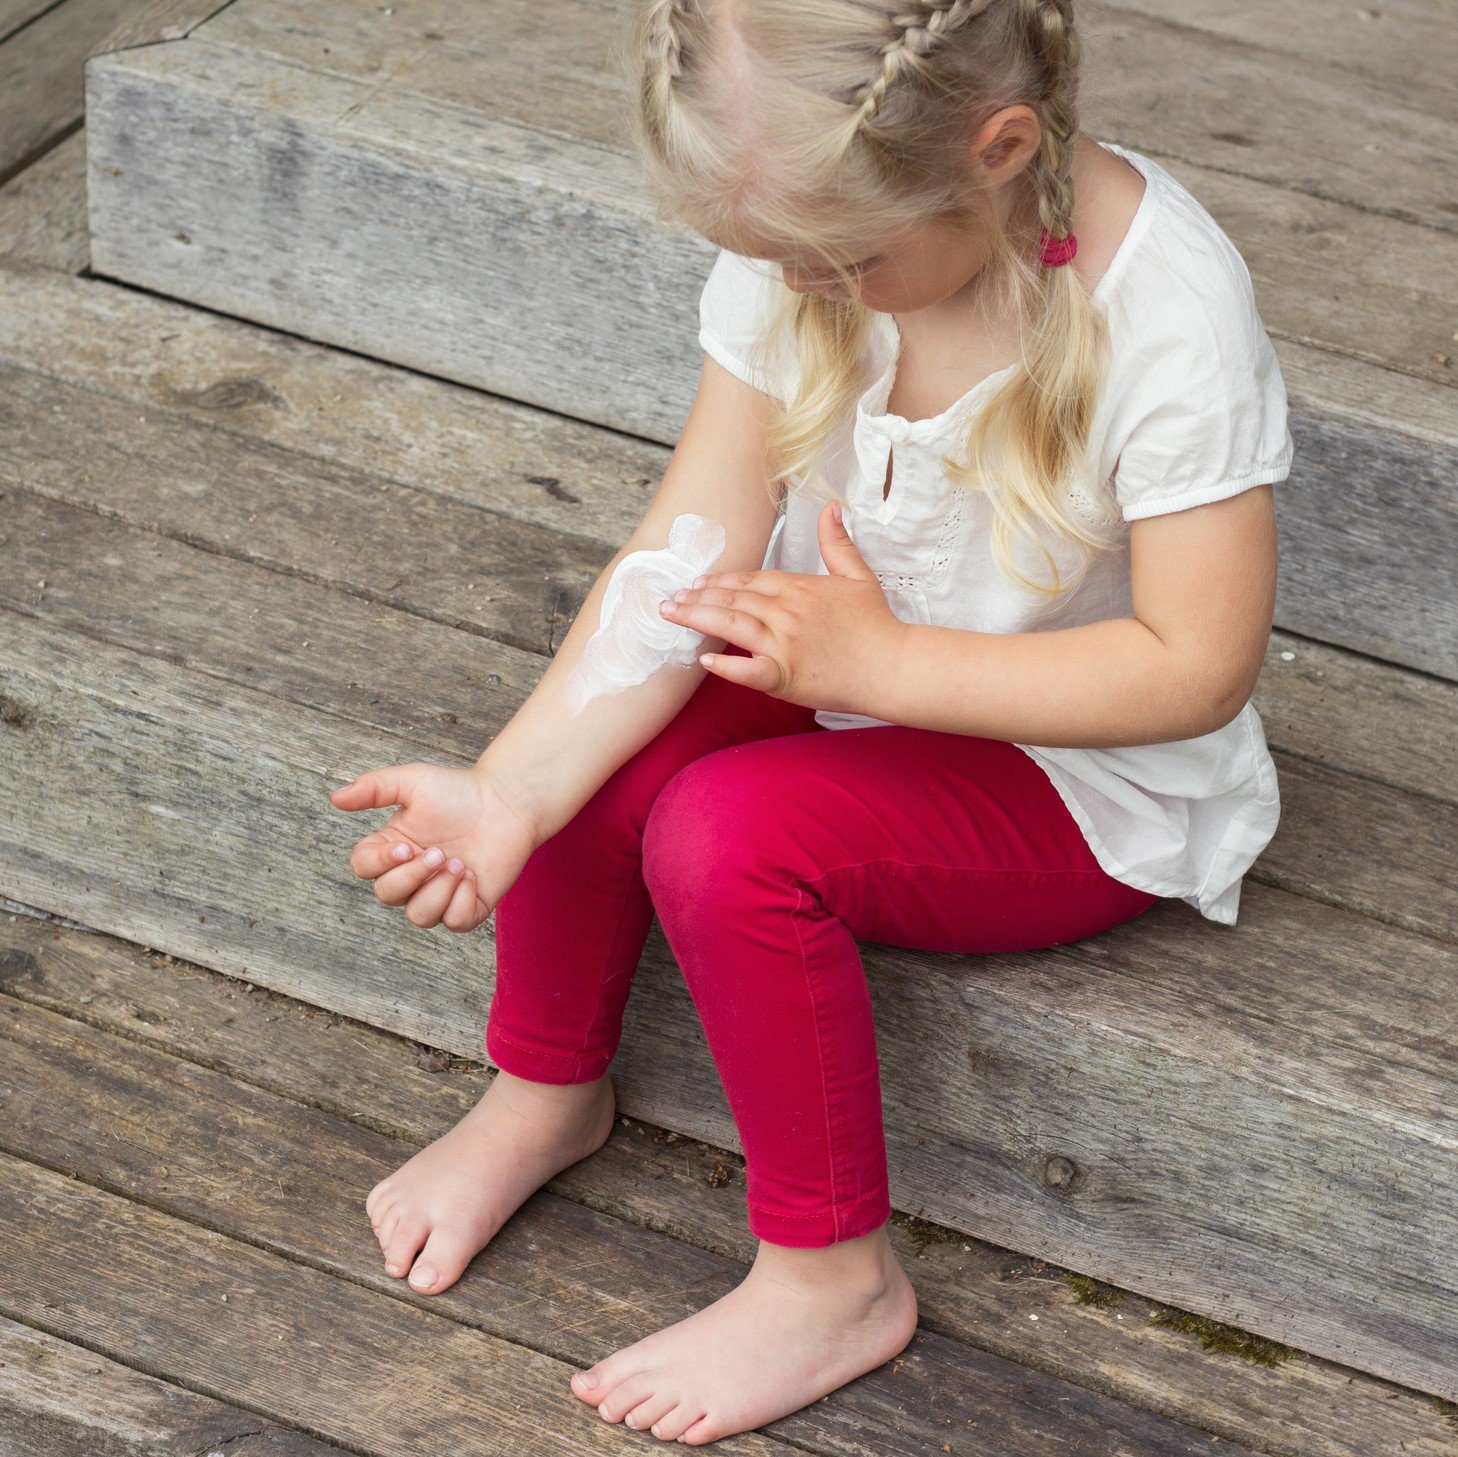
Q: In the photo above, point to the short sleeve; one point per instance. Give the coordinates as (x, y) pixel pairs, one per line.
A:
(736, 306)
(1206, 415)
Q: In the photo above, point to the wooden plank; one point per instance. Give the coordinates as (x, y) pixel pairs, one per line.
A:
(1304, 132)
(1393, 281)
(968, 1291)
(1133, 1054)
(154, 21)
(315, 403)
(507, 579)
(165, 1144)
(16, 13)
(61, 1400)
(43, 209)
(1390, 278)
(378, 1375)
(1343, 837)
(1406, 44)
(40, 76)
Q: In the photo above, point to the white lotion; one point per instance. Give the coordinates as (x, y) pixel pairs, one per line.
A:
(634, 639)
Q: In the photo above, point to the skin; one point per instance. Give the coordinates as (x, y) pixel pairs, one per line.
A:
(805, 1320)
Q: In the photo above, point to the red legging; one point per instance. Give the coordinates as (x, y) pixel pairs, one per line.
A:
(768, 845)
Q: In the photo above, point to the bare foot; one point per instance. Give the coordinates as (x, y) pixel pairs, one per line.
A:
(802, 1323)
(448, 1201)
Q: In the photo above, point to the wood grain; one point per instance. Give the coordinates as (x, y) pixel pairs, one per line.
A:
(969, 1291)
(1133, 1055)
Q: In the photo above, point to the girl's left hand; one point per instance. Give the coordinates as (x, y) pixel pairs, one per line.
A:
(820, 641)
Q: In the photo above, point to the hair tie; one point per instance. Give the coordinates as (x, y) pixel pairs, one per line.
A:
(1054, 251)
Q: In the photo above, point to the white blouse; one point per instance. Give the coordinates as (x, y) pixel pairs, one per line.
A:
(1194, 410)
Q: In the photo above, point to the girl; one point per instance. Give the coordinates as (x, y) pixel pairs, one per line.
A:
(989, 421)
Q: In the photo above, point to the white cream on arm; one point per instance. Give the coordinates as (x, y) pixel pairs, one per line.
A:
(634, 639)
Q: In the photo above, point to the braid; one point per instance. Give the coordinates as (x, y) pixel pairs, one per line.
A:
(915, 34)
(1050, 30)
(664, 41)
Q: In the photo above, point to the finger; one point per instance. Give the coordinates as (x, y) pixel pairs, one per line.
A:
(757, 672)
(374, 789)
(379, 852)
(461, 914)
(767, 580)
(740, 624)
(427, 905)
(396, 886)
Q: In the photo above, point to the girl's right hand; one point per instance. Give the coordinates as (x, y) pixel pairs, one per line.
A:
(461, 813)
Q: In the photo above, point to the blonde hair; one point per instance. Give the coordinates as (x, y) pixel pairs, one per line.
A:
(818, 128)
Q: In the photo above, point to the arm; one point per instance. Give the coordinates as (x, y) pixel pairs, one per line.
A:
(1204, 589)
(549, 762)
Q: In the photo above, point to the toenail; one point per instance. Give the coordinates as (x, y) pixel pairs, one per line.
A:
(586, 1378)
(423, 1275)
(392, 1269)
(628, 1420)
(654, 1429)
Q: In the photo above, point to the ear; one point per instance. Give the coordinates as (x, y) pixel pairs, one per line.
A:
(839, 553)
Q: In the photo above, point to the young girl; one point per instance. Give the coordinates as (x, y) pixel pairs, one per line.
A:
(984, 441)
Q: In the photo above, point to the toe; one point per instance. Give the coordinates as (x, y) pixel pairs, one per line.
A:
(631, 1392)
(700, 1431)
(646, 1413)
(376, 1197)
(610, 1373)
(403, 1244)
(670, 1426)
(443, 1260)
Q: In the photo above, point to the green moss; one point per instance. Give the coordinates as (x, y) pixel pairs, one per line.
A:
(1216, 1336)
(1088, 1291)
(922, 1232)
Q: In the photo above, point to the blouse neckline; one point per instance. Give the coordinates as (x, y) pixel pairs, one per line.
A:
(930, 425)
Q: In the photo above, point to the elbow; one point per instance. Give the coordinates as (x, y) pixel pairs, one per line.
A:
(1220, 699)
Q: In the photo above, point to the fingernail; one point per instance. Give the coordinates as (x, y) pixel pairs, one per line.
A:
(434, 855)
(681, 595)
(401, 852)
(667, 606)
(699, 582)
(455, 866)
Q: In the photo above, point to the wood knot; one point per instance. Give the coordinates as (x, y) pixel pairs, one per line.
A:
(13, 712)
(1060, 1173)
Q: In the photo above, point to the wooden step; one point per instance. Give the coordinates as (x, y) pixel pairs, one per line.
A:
(205, 632)
(277, 164)
(322, 1105)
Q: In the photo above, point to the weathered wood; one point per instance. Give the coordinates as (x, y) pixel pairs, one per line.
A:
(16, 13)
(40, 76)
(60, 1400)
(1410, 44)
(378, 1375)
(1299, 129)
(153, 21)
(1373, 576)
(1133, 1054)
(43, 209)
(971, 1292)
(1343, 837)
(290, 1179)
(374, 157)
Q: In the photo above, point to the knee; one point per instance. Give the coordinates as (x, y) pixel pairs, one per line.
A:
(710, 830)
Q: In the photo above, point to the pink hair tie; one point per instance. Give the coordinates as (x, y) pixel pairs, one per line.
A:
(1054, 251)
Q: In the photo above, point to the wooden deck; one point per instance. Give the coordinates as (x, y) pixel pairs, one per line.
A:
(238, 566)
